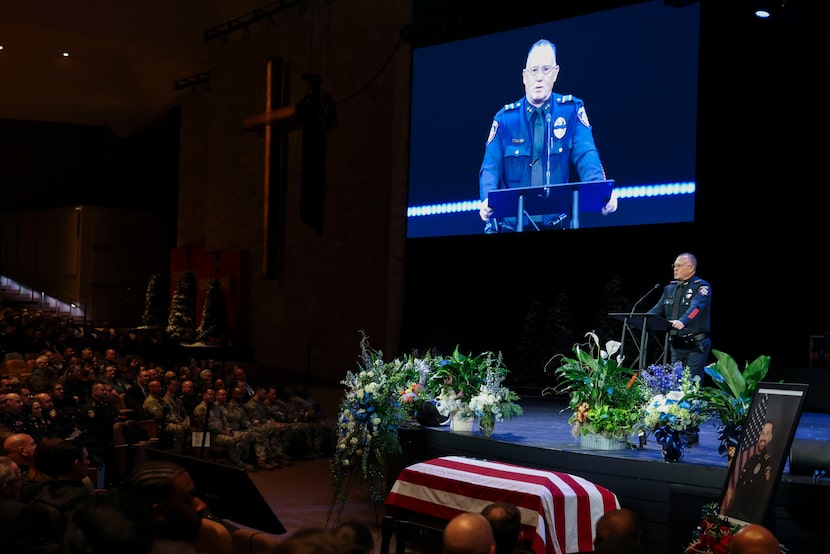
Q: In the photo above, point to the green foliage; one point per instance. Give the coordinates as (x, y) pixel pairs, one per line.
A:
(732, 394)
(601, 391)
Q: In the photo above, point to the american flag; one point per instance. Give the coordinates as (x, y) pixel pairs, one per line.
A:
(751, 432)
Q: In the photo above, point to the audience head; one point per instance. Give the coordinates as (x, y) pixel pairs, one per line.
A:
(619, 522)
(20, 447)
(108, 523)
(754, 539)
(10, 479)
(469, 533)
(168, 492)
(311, 540)
(356, 537)
(61, 458)
(506, 522)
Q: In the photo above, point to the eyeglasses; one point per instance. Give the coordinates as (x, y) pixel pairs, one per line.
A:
(544, 69)
(675, 266)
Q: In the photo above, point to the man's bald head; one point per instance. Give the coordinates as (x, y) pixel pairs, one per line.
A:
(469, 533)
(619, 522)
(754, 539)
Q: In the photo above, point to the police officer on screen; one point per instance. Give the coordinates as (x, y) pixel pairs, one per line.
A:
(685, 303)
(535, 141)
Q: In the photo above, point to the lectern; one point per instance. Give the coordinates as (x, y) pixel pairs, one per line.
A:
(570, 199)
(645, 323)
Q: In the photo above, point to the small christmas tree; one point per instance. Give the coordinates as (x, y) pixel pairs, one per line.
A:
(155, 303)
(214, 325)
(180, 327)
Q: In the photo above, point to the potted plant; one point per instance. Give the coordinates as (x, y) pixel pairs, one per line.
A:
(494, 402)
(602, 396)
(731, 396)
(456, 379)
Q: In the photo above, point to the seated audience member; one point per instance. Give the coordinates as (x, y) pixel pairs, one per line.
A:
(356, 537)
(620, 529)
(298, 436)
(24, 529)
(189, 397)
(469, 533)
(260, 416)
(136, 395)
(173, 432)
(208, 416)
(43, 374)
(108, 524)
(754, 539)
(13, 419)
(20, 447)
(506, 521)
(113, 379)
(64, 463)
(311, 540)
(167, 491)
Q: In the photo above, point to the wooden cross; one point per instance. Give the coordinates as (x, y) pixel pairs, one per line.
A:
(276, 154)
(316, 115)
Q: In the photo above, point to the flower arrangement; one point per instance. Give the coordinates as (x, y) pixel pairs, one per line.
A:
(714, 534)
(456, 379)
(671, 404)
(601, 391)
(495, 402)
(367, 426)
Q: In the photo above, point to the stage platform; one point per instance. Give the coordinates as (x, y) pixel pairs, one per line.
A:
(668, 496)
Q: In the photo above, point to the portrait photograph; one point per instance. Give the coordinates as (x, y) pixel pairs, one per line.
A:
(759, 461)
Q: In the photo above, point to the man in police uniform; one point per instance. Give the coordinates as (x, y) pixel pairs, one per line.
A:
(685, 303)
(534, 141)
(754, 484)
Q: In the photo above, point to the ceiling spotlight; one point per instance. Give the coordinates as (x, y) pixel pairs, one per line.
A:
(762, 13)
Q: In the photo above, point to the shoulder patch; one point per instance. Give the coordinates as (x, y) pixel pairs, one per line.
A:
(583, 116)
(512, 106)
(493, 129)
(703, 291)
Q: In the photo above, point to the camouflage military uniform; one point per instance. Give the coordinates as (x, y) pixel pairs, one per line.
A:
(176, 427)
(276, 431)
(238, 420)
(236, 443)
(298, 436)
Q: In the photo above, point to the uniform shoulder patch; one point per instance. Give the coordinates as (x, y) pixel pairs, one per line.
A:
(493, 129)
(583, 116)
(512, 106)
(703, 291)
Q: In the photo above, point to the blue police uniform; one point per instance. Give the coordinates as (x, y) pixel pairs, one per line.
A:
(508, 153)
(688, 301)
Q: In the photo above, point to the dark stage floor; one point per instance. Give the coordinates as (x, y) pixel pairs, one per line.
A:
(544, 424)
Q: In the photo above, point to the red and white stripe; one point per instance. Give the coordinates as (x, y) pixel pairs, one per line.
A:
(559, 510)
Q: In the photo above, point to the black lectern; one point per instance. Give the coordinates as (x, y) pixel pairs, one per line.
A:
(646, 323)
(563, 198)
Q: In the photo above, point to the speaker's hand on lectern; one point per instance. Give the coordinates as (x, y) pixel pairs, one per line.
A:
(485, 211)
(611, 206)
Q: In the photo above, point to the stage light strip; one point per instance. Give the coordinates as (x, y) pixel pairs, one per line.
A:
(637, 191)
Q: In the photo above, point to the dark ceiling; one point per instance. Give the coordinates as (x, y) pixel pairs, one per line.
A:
(125, 57)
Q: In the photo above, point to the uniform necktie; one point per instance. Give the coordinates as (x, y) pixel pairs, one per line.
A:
(538, 154)
(678, 296)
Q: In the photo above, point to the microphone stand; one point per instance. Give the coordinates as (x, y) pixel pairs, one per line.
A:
(627, 328)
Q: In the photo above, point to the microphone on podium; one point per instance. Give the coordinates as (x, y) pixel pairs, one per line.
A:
(637, 303)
